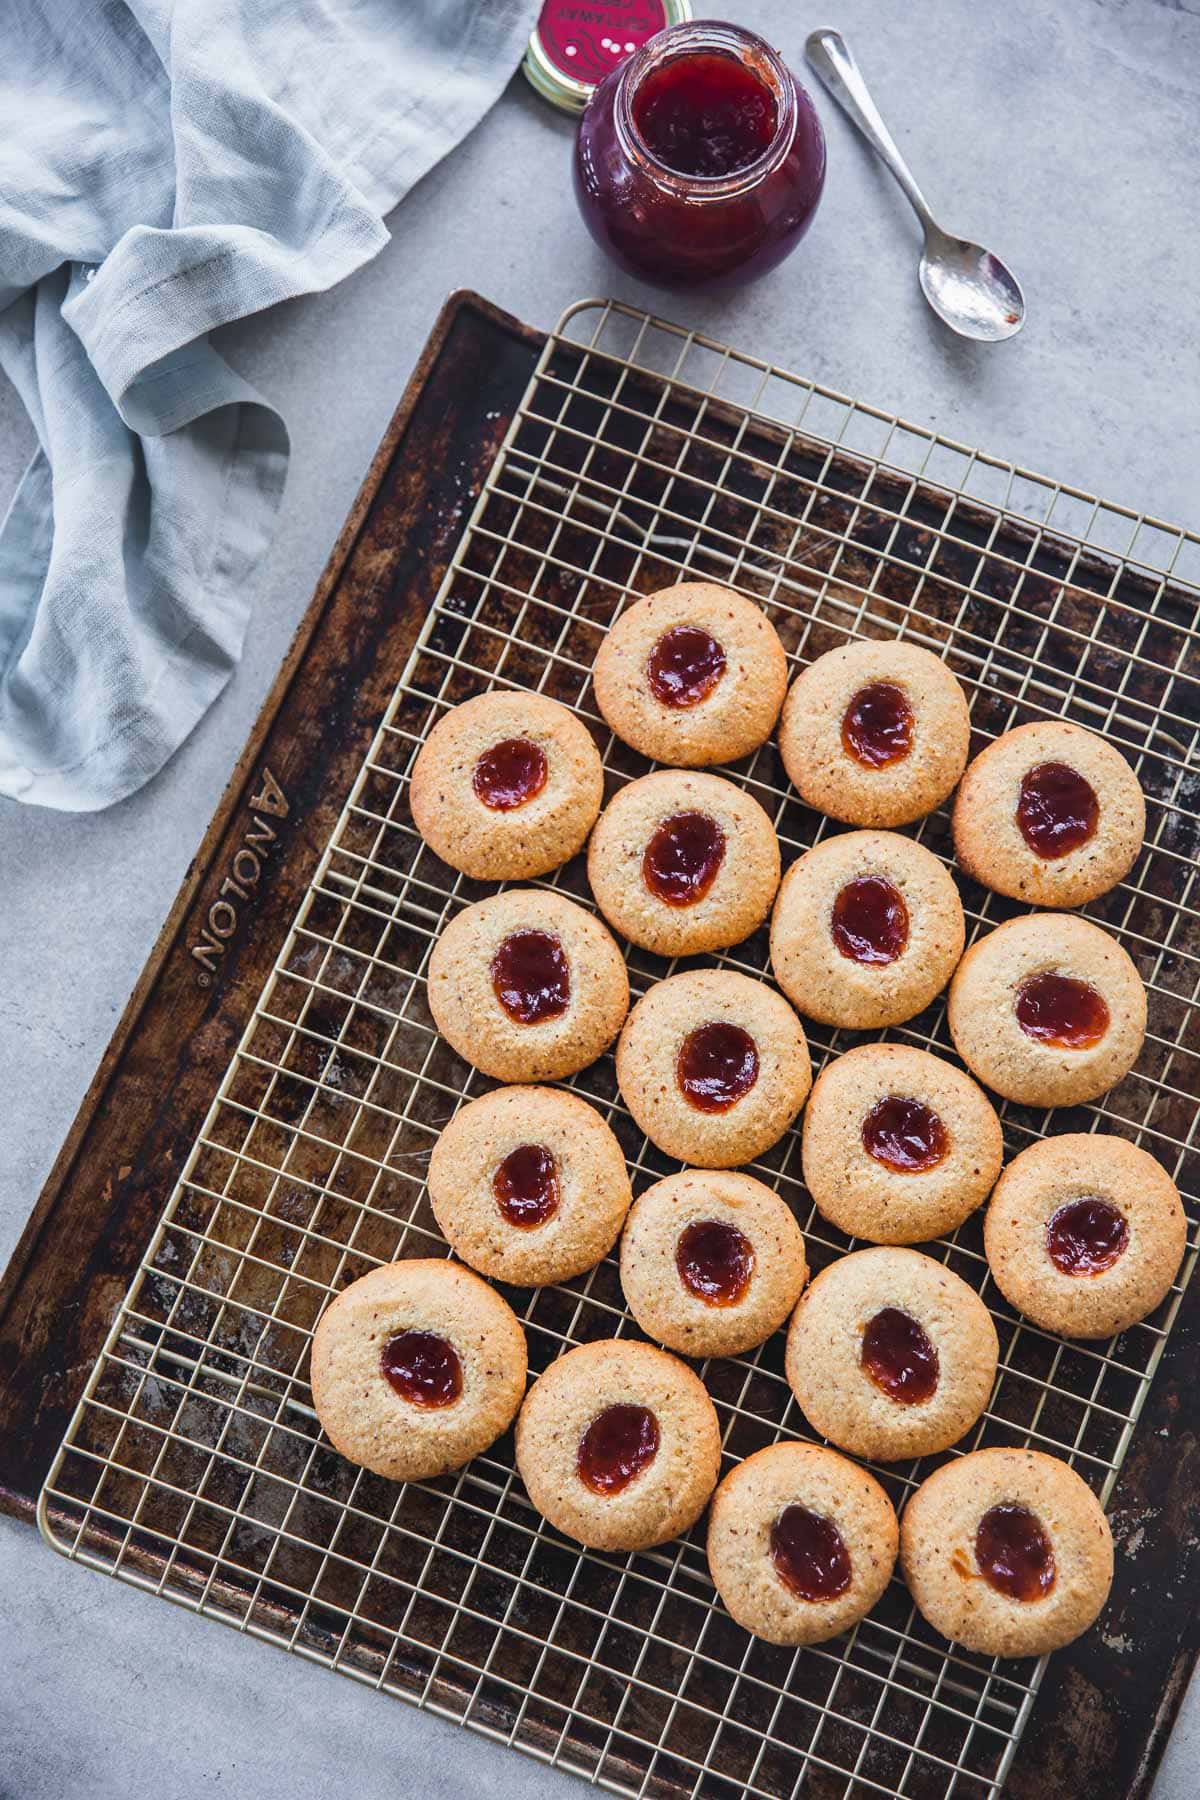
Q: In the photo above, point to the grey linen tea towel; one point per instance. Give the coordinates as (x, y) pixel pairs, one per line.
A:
(167, 166)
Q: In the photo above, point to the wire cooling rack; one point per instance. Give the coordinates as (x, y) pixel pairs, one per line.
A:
(194, 1466)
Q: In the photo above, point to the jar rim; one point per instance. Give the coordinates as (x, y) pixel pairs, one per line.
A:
(687, 39)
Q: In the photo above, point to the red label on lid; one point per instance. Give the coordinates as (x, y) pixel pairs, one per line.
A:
(585, 42)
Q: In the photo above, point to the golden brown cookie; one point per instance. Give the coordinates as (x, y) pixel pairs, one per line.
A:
(1051, 814)
(899, 1146)
(529, 1185)
(527, 986)
(866, 931)
(681, 862)
(875, 733)
(1007, 1552)
(618, 1445)
(801, 1543)
(713, 1066)
(711, 1262)
(416, 1368)
(890, 1355)
(1048, 1010)
(693, 674)
(1085, 1234)
(506, 786)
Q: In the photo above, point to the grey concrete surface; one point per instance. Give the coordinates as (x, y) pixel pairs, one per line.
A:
(1064, 132)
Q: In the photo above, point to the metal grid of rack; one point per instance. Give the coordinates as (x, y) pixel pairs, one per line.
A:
(194, 1466)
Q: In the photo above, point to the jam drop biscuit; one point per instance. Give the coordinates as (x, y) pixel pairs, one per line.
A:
(1085, 1234)
(711, 1263)
(867, 929)
(506, 786)
(875, 733)
(890, 1355)
(801, 1543)
(899, 1146)
(529, 1185)
(527, 986)
(618, 1445)
(1051, 814)
(416, 1368)
(713, 1066)
(1007, 1552)
(694, 674)
(1048, 1010)
(682, 862)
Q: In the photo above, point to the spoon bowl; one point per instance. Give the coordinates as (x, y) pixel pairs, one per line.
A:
(970, 289)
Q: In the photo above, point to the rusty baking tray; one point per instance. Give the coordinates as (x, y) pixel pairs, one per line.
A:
(193, 1466)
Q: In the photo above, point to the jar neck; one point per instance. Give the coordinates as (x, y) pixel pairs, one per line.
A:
(705, 37)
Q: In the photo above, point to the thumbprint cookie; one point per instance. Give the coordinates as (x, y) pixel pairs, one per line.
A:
(691, 675)
(506, 786)
(618, 1445)
(682, 862)
(711, 1262)
(416, 1368)
(1051, 814)
(875, 733)
(867, 930)
(891, 1355)
(1007, 1552)
(527, 986)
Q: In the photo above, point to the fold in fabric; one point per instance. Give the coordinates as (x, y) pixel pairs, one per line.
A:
(167, 166)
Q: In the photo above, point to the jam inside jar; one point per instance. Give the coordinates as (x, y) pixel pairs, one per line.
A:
(699, 157)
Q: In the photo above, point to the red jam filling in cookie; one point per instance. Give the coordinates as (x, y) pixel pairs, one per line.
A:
(1058, 1010)
(683, 858)
(531, 977)
(618, 1444)
(715, 1261)
(1014, 1553)
(905, 1135)
(685, 666)
(1057, 810)
(870, 920)
(526, 1186)
(899, 1358)
(509, 774)
(1086, 1236)
(423, 1368)
(717, 1065)
(877, 726)
(810, 1554)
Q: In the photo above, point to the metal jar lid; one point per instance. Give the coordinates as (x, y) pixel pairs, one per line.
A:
(576, 42)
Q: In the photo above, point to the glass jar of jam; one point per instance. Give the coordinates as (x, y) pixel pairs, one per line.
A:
(700, 157)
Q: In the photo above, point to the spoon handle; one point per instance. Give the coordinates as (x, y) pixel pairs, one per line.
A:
(830, 56)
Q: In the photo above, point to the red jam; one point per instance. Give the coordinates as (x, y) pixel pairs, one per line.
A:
(700, 157)
(706, 114)
(683, 858)
(1085, 1237)
(423, 1368)
(717, 1065)
(531, 977)
(1057, 810)
(525, 1185)
(715, 1261)
(509, 774)
(905, 1135)
(685, 666)
(1058, 1010)
(870, 920)
(618, 1444)
(877, 726)
(1014, 1553)
(810, 1554)
(899, 1357)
